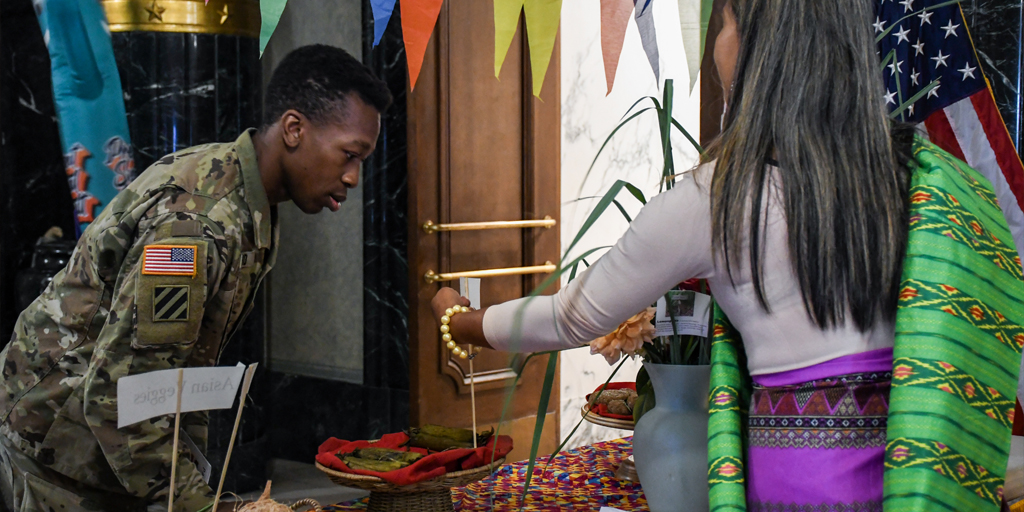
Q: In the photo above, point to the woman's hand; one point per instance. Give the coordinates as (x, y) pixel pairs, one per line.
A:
(446, 298)
(466, 328)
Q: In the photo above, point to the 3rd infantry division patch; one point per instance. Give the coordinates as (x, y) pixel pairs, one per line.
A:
(170, 303)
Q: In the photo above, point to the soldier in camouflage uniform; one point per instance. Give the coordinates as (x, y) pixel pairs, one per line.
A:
(161, 280)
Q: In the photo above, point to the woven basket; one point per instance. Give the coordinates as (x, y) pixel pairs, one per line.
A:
(427, 496)
(308, 502)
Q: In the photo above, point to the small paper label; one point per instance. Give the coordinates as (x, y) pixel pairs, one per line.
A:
(469, 287)
(690, 310)
(144, 396)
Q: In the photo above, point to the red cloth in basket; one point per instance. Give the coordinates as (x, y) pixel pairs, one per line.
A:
(602, 409)
(432, 466)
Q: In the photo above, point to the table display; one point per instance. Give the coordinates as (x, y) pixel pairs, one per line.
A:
(579, 479)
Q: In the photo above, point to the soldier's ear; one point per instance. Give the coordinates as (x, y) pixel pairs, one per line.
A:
(293, 127)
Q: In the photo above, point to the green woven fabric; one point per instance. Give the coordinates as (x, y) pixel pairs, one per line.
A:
(955, 362)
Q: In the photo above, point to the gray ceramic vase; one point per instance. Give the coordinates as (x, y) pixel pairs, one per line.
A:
(670, 442)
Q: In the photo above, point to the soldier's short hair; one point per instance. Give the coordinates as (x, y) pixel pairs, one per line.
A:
(316, 80)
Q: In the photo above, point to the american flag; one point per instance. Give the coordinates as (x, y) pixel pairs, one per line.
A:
(925, 46)
(926, 43)
(169, 260)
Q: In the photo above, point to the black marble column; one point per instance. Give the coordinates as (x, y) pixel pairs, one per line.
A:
(182, 90)
(995, 27)
(34, 194)
(385, 224)
(381, 404)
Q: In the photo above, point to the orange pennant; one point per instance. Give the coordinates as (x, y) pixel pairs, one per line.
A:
(614, 20)
(418, 20)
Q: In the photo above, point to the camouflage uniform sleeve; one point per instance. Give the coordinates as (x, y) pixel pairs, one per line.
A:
(153, 324)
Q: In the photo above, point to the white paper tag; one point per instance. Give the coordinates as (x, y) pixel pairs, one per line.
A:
(202, 464)
(469, 287)
(690, 310)
(144, 396)
(610, 509)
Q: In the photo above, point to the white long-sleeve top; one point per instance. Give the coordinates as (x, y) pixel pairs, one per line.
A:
(667, 243)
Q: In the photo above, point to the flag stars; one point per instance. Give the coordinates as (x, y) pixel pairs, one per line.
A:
(926, 17)
(901, 34)
(910, 109)
(890, 97)
(950, 29)
(879, 24)
(918, 48)
(967, 70)
(913, 77)
(934, 93)
(895, 67)
(908, 5)
(940, 60)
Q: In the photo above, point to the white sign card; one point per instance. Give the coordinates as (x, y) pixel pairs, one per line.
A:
(690, 310)
(469, 287)
(144, 396)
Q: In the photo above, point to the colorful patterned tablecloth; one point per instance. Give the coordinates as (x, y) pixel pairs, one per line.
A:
(579, 480)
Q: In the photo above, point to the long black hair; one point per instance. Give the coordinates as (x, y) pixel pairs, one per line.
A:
(807, 92)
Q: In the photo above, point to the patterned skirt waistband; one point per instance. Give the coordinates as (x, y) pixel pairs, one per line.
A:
(818, 445)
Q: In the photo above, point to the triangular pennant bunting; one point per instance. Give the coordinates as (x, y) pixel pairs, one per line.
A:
(644, 10)
(614, 20)
(506, 19)
(690, 26)
(382, 10)
(542, 17)
(418, 20)
(270, 16)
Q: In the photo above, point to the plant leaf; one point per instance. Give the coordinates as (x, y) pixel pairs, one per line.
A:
(538, 429)
(590, 403)
(897, 22)
(688, 136)
(914, 98)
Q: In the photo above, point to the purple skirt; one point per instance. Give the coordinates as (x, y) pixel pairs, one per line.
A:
(817, 436)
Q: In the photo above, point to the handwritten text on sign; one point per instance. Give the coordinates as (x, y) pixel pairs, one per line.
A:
(144, 396)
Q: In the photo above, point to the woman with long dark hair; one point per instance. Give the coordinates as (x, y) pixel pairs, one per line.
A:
(798, 217)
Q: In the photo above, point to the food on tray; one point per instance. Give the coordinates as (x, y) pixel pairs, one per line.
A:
(619, 407)
(609, 395)
(380, 459)
(616, 401)
(438, 438)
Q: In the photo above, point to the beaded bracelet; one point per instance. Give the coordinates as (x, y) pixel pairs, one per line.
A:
(446, 336)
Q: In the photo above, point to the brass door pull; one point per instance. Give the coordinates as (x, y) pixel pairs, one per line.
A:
(546, 222)
(546, 268)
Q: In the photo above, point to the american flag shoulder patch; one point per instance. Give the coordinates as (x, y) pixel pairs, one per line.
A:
(169, 260)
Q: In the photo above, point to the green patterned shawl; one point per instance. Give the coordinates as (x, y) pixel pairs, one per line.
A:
(956, 359)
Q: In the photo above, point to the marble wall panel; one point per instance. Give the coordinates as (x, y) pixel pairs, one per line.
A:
(183, 90)
(634, 155)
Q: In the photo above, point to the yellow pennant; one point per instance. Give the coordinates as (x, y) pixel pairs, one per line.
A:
(542, 17)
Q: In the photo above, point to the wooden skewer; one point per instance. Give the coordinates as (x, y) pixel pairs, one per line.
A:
(472, 392)
(174, 447)
(234, 432)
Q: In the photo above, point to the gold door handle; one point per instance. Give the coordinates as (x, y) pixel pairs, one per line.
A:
(546, 222)
(546, 268)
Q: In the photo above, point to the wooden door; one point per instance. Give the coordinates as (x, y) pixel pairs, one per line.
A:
(480, 149)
